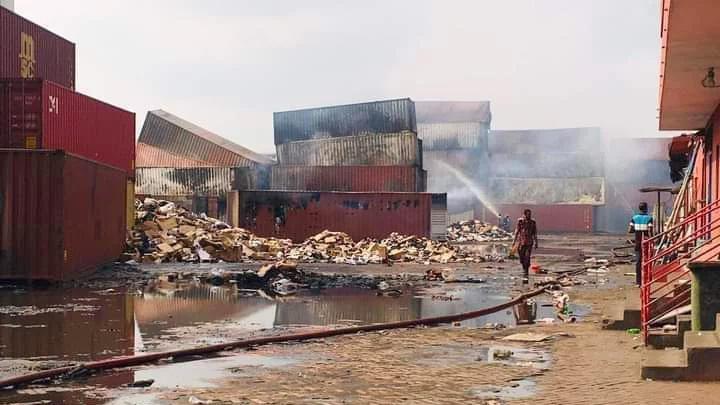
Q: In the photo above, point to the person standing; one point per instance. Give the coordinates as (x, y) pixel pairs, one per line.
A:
(525, 239)
(641, 225)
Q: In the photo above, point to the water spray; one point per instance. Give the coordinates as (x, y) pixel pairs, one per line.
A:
(474, 188)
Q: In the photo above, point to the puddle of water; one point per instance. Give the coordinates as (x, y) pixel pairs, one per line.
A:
(460, 354)
(517, 390)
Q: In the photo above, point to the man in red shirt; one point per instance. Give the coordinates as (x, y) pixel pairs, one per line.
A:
(525, 239)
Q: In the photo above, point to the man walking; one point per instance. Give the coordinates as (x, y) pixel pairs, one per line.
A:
(525, 239)
(641, 225)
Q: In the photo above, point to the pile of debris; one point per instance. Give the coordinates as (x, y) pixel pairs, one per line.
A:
(166, 233)
(476, 231)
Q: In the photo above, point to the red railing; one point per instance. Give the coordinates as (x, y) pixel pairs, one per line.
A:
(665, 259)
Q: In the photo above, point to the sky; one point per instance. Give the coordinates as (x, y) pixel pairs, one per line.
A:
(226, 65)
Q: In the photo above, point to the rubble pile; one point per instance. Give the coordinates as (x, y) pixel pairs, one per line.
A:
(166, 233)
(476, 231)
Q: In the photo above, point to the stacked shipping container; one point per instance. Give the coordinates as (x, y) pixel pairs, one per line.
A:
(62, 215)
(30, 51)
(368, 149)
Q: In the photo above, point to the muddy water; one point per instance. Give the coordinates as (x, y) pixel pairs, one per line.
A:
(54, 326)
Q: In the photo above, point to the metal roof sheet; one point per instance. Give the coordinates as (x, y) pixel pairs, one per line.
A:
(151, 156)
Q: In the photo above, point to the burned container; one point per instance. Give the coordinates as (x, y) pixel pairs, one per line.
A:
(62, 215)
(298, 215)
(28, 50)
(399, 149)
(348, 178)
(38, 114)
(378, 117)
(183, 138)
(447, 125)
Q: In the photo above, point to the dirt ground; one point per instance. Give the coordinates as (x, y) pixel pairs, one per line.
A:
(583, 364)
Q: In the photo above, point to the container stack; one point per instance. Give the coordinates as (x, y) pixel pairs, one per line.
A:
(193, 167)
(67, 161)
(354, 168)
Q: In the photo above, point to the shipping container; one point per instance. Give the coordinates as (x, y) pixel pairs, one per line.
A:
(170, 181)
(451, 135)
(378, 117)
(348, 178)
(151, 156)
(401, 149)
(361, 215)
(537, 141)
(30, 51)
(453, 111)
(574, 191)
(62, 216)
(547, 164)
(550, 218)
(183, 138)
(37, 114)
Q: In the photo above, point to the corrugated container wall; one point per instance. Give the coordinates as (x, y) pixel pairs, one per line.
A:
(183, 138)
(348, 178)
(402, 149)
(37, 114)
(169, 181)
(453, 135)
(379, 117)
(62, 215)
(361, 215)
(546, 164)
(585, 190)
(550, 218)
(583, 140)
(30, 51)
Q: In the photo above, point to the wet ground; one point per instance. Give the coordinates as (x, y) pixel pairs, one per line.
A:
(43, 328)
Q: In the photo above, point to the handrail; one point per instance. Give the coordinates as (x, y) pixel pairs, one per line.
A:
(707, 228)
(691, 218)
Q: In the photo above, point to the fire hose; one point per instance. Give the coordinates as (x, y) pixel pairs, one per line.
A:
(120, 362)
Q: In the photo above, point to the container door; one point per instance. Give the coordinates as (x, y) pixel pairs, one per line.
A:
(130, 205)
(20, 114)
(438, 217)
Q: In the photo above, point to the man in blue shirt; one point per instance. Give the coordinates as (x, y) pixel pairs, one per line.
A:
(641, 225)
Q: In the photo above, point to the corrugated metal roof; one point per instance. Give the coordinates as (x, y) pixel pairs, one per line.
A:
(180, 137)
(453, 111)
(583, 191)
(151, 156)
(168, 181)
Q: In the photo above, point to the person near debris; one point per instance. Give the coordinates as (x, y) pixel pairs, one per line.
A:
(525, 239)
(641, 225)
(500, 221)
(506, 224)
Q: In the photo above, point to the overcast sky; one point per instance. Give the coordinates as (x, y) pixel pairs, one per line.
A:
(228, 64)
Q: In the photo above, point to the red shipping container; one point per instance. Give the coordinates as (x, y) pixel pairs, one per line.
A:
(569, 218)
(61, 216)
(28, 50)
(360, 215)
(348, 178)
(37, 114)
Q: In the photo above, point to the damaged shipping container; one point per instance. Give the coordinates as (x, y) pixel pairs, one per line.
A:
(63, 216)
(38, 114)
(349, 178)
(183, 138)
(378, 117)
(398, 149)
(28, 51)
(583, 191)
(573, 218)
(299, 215)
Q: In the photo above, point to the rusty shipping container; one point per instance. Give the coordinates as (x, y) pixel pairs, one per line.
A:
(378, 117)
(551, 218)
(401, 149)
(538, 191)
(361, 215)
(453, 135)
(170, 181)
(548, 164)
(348, 178)
(62, 215)
(28, 50)
(38, 114)
(151, 156)
(183, 138)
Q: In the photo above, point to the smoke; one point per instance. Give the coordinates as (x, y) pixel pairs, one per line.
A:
(471, 186)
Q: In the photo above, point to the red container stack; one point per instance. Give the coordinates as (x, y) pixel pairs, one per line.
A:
(61, 216)
(66, 161)
(30, 51)
(37, 114)
(348, 178)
